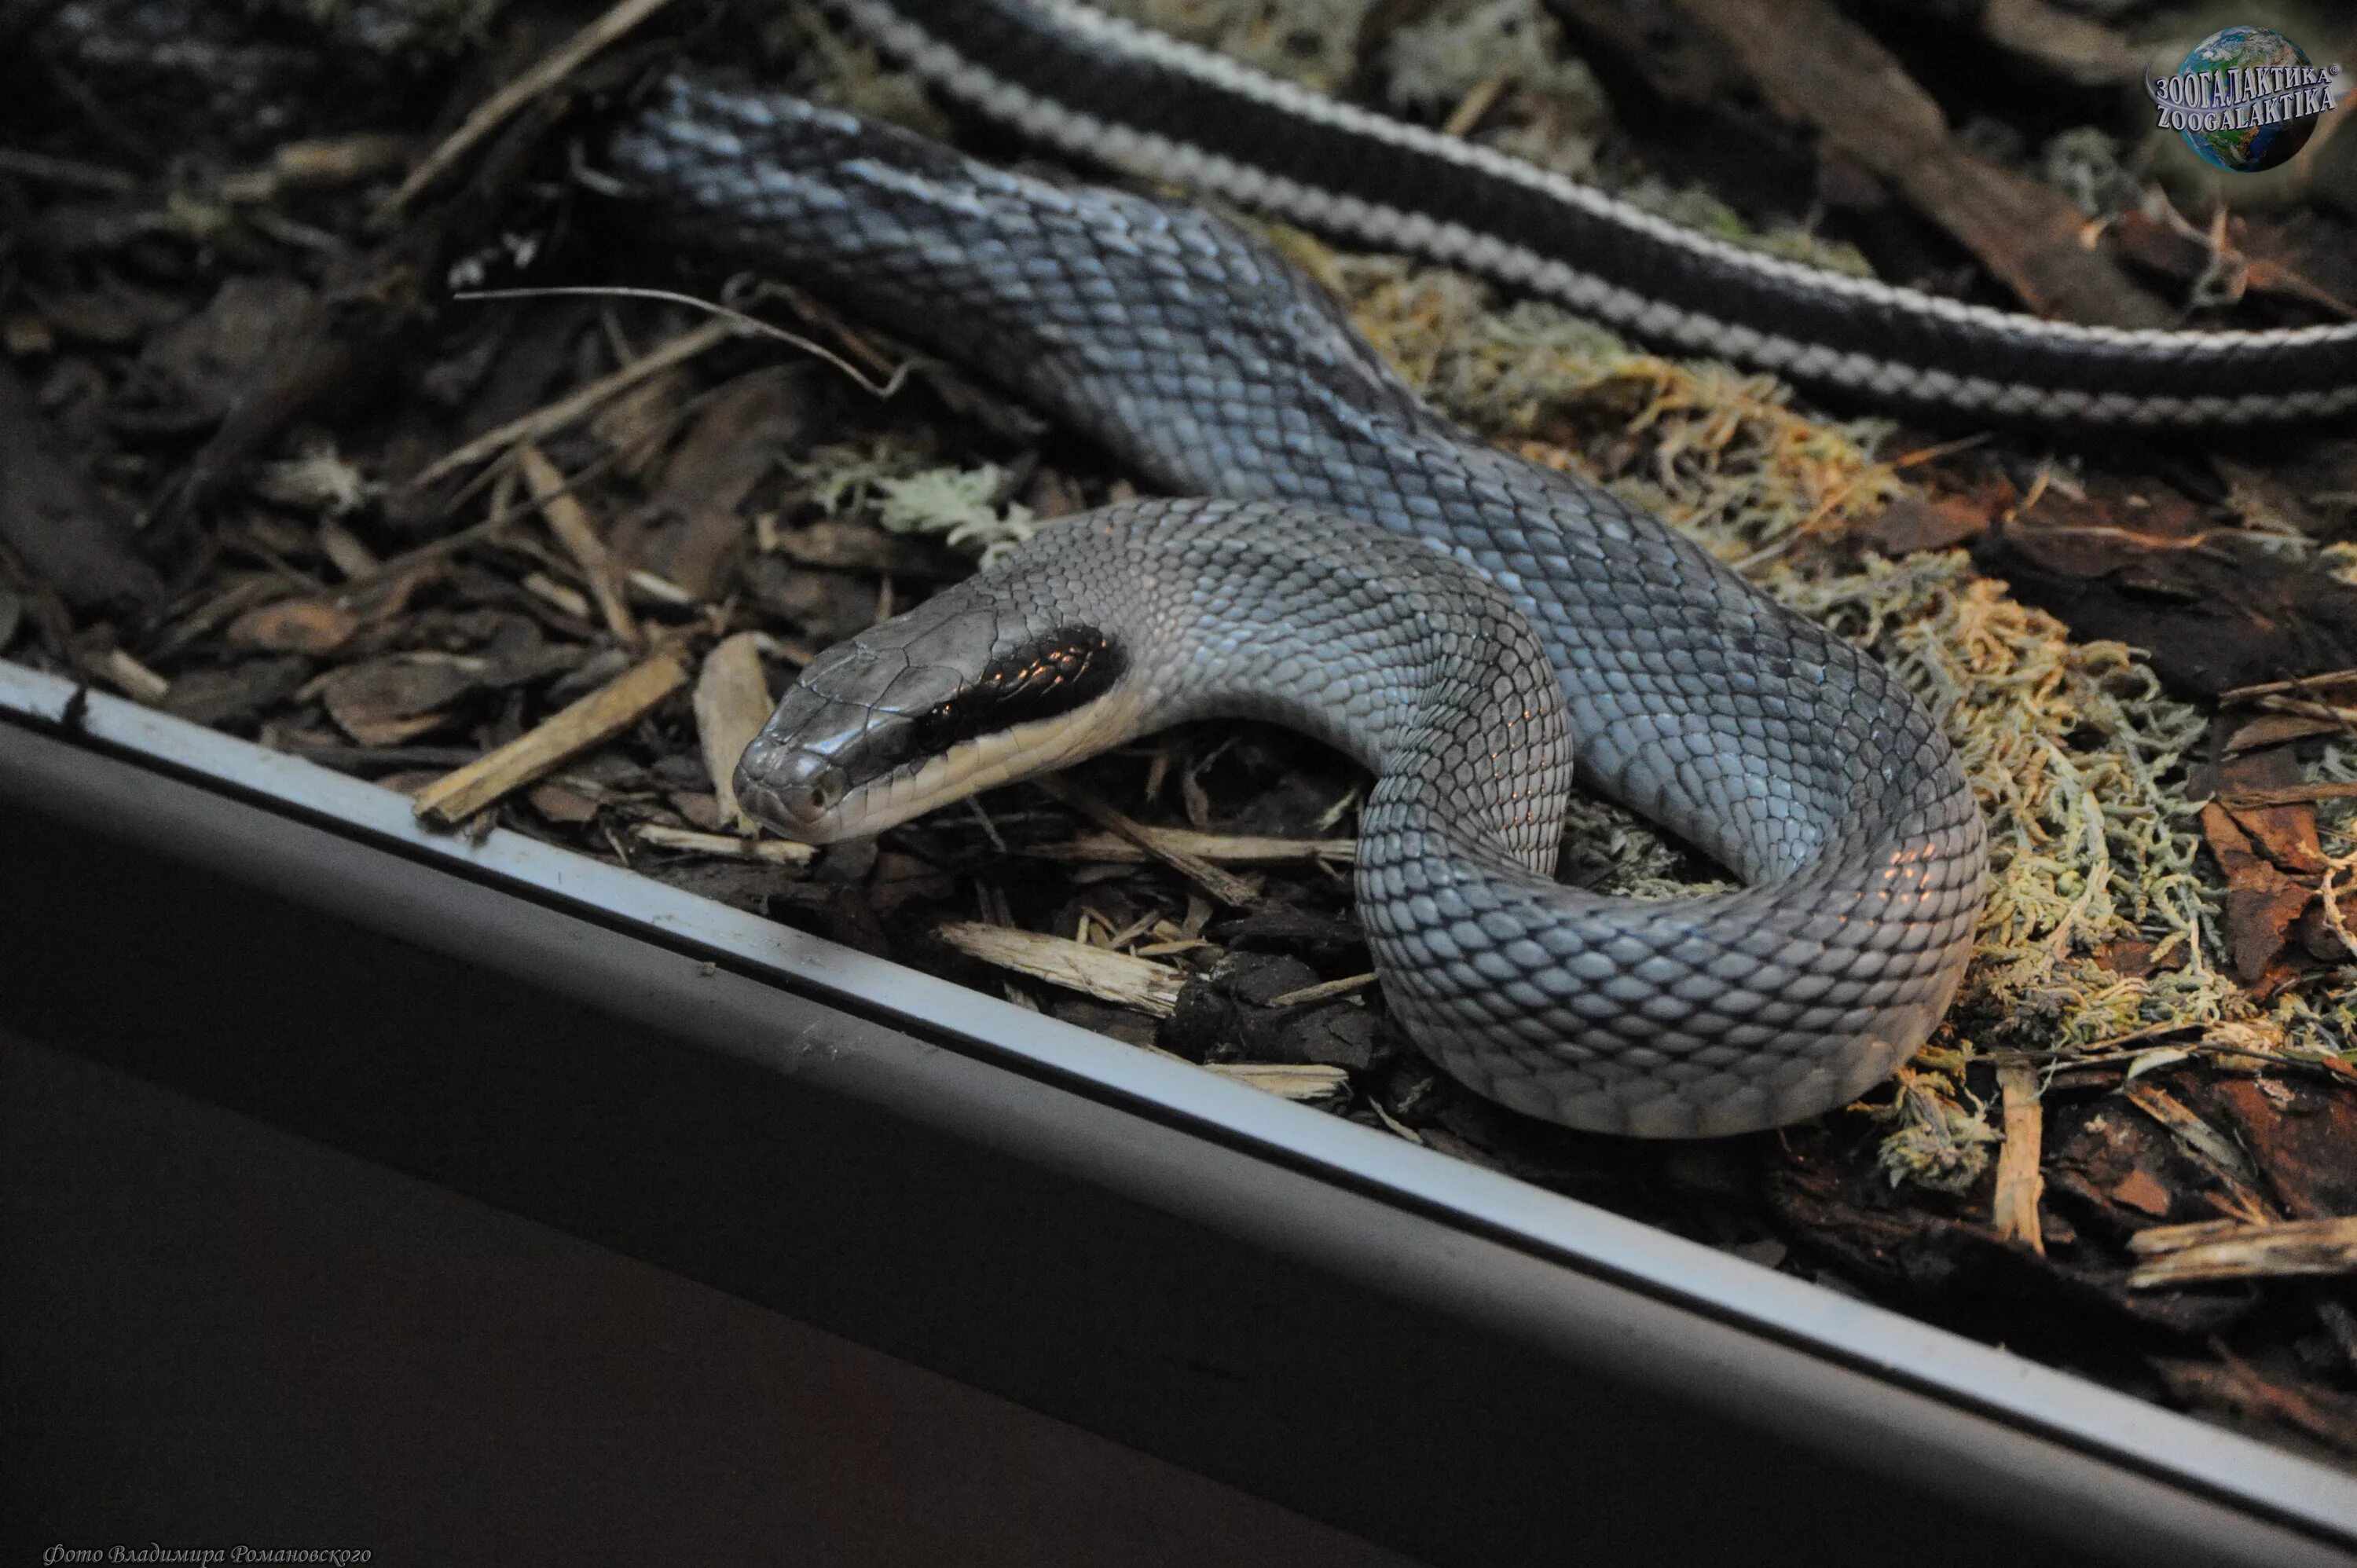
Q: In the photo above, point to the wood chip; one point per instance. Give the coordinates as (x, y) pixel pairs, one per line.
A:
(1221, 849)
(398, 697)
(338, 160)
(2283, 831)
(559, 805)
(1287, 1081)
(1100, 972)
(2274, 729)
(319, 624)
(662, 590)
(133, 679)
(2262, 902)
(344, 549)
(56, 522)
(596, 718)
(1232, 891)
(493, 111)
(550, 418)
(2207, 1146)
(732, 702)
(769, 852)
(2229, 1250)
(569, 521)
(2020, 1184)
(2140, 1189)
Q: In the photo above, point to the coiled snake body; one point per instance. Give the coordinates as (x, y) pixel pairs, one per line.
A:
(1213, 367)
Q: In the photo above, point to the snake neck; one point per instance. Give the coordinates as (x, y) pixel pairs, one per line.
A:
(1391, 652)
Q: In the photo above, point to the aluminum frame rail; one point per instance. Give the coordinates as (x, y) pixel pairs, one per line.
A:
(1435, 1355)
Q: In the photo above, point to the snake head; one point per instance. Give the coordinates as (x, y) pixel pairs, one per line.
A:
(958, 695)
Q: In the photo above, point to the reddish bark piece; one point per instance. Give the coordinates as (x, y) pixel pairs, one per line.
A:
(2127, 956)
(311, 626)
(2218, 606)
(2236, 1386)
(2140, 1190)
(2285, 833)
(1907, 525)
(2261, 902)
(2301, 1137)
(2257, 256)
(320, 624)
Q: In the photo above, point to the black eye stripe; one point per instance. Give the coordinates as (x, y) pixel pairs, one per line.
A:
(1045, 677)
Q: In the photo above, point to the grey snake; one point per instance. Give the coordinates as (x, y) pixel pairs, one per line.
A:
(1212, 367)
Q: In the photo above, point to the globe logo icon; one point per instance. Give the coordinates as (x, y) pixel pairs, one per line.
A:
(2246, 99)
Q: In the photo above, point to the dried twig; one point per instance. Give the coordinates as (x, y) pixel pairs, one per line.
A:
(68, 172)
(752, 325)
(1232, 891)
(2301, 683)
(494, 111)
(569, 521)
(550, 418)
(596, 718)
(1324, 991)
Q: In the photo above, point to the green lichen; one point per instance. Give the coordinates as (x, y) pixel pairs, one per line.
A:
(959, 505)
(903, 487)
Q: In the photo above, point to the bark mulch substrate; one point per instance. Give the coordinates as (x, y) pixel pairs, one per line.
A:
(541, 563)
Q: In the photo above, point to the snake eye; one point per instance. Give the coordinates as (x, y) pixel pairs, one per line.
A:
(790, 788)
